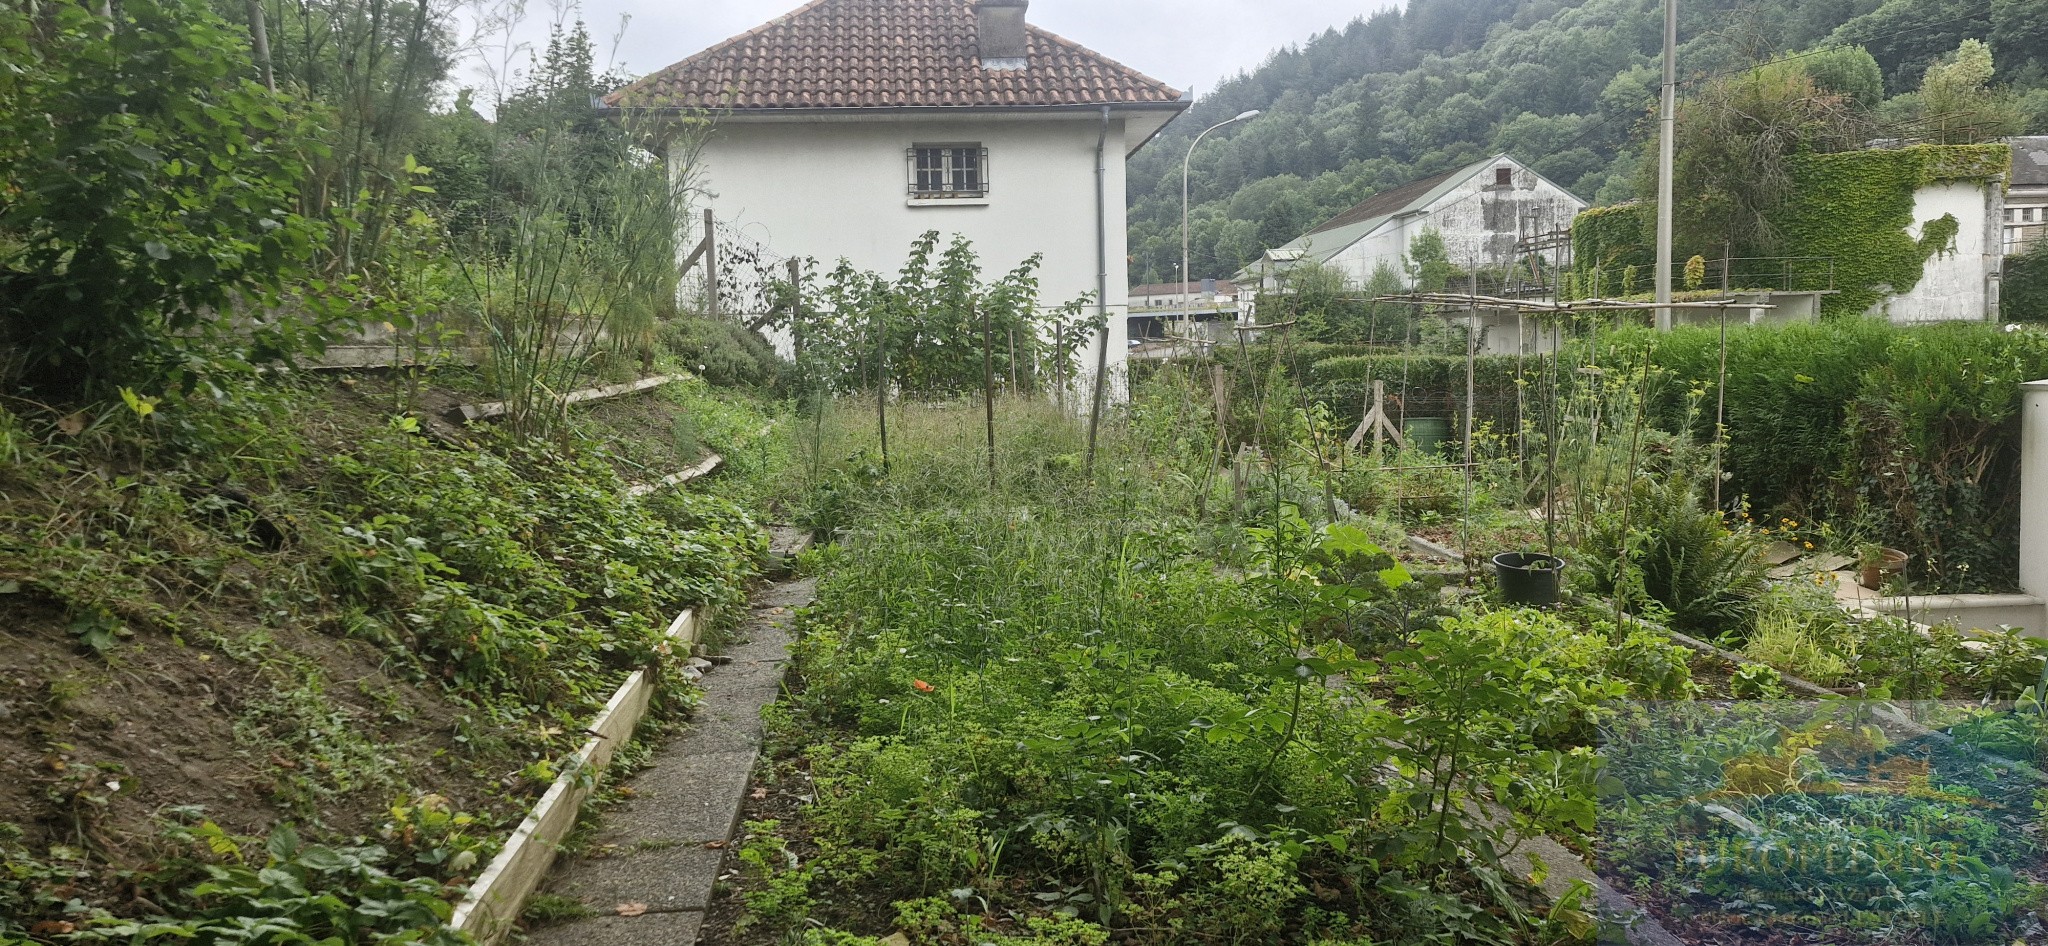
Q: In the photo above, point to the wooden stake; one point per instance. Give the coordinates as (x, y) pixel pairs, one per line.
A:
(796, 312)
(710, 248)
(988, 385)
(1376, 422)
(882, 387)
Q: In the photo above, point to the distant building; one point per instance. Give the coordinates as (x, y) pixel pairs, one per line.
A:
(847, 128)
(1484, 211)
(1208, 308)
(1208, 292)
(2026, 197)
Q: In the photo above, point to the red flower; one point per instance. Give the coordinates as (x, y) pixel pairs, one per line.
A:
(922, 687)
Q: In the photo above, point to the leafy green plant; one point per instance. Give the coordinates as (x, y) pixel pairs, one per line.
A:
(1757, 682)
(289, 891)
(778, 891)
(151, 181)
(1802, 643)
(1680, 555)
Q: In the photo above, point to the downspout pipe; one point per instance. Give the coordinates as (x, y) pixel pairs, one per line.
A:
(1101, 286)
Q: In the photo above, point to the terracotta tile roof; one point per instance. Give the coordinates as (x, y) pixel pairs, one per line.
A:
(881, 54)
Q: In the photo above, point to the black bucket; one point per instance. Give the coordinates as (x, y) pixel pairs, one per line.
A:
(1528, 578)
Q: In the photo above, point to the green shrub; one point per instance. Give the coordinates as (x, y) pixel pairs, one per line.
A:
(723, 351)
(2023, 290)
(147, 175)
(1900, 433)
(1679, 555)
(1935, 456)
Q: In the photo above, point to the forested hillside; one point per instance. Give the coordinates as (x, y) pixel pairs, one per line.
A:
(1565, 86)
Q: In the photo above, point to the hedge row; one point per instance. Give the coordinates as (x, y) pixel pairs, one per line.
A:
(1421, 386)
(1909, 435)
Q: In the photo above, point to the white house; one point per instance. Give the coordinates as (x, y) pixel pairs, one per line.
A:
(2026, 199)
(847, 128)
(1485, 212)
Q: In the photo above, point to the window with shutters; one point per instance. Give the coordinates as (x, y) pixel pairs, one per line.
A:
(947, 172)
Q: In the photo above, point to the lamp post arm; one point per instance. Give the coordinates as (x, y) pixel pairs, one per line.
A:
(1187, 162)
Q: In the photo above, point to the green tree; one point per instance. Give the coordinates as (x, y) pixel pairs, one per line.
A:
(375, 66)
(929, 318)
(1429, 263)
(1734, 142)
(146, 230)
(1848, 71)
(1958, 100)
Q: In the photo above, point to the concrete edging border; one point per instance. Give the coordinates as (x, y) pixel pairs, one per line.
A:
(494, 902)
(471, 413)
(704, 467)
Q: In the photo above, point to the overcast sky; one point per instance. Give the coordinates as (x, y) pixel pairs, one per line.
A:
(1188, 44)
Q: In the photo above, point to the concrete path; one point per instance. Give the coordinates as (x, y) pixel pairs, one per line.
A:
(654, 842)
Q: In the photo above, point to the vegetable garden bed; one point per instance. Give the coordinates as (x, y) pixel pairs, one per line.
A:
(1074, 710)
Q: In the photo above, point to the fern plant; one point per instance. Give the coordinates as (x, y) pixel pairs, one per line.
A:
(1680, 555)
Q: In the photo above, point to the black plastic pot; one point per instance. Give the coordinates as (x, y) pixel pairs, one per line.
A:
(1528, 578)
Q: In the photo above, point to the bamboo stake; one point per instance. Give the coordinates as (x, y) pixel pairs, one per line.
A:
(882, 387)
(1471, 364)
(988, 384)
(1721, 406)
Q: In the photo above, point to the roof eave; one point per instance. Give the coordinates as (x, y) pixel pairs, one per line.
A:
(850, 111)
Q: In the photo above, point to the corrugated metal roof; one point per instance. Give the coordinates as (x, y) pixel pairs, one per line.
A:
(1334, 235)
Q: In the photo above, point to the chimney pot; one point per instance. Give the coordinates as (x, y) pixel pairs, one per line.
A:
(999, 32)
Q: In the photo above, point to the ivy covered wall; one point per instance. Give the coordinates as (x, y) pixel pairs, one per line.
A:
(1606, 243)
(1854, 207)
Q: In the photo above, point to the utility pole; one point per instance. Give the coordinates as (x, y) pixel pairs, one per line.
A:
(1666, 152)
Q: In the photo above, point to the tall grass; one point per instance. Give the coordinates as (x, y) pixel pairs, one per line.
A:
(574, 262)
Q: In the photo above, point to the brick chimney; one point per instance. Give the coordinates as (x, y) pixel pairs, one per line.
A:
(999, 32)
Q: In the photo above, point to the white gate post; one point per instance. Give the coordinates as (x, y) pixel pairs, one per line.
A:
(2034, 488)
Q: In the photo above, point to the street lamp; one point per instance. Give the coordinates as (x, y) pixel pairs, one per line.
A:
(1186, 300)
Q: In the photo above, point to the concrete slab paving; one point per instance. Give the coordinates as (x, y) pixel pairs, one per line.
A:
(666, 879)
(689, 797)
(651, 929)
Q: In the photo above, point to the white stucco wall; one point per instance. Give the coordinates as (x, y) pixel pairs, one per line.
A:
(2034, 488)
(833, 189)
(1480, 223)
(1960, 284)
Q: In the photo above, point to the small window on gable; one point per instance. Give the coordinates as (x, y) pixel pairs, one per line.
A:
(943, 172)
(1503, 177)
